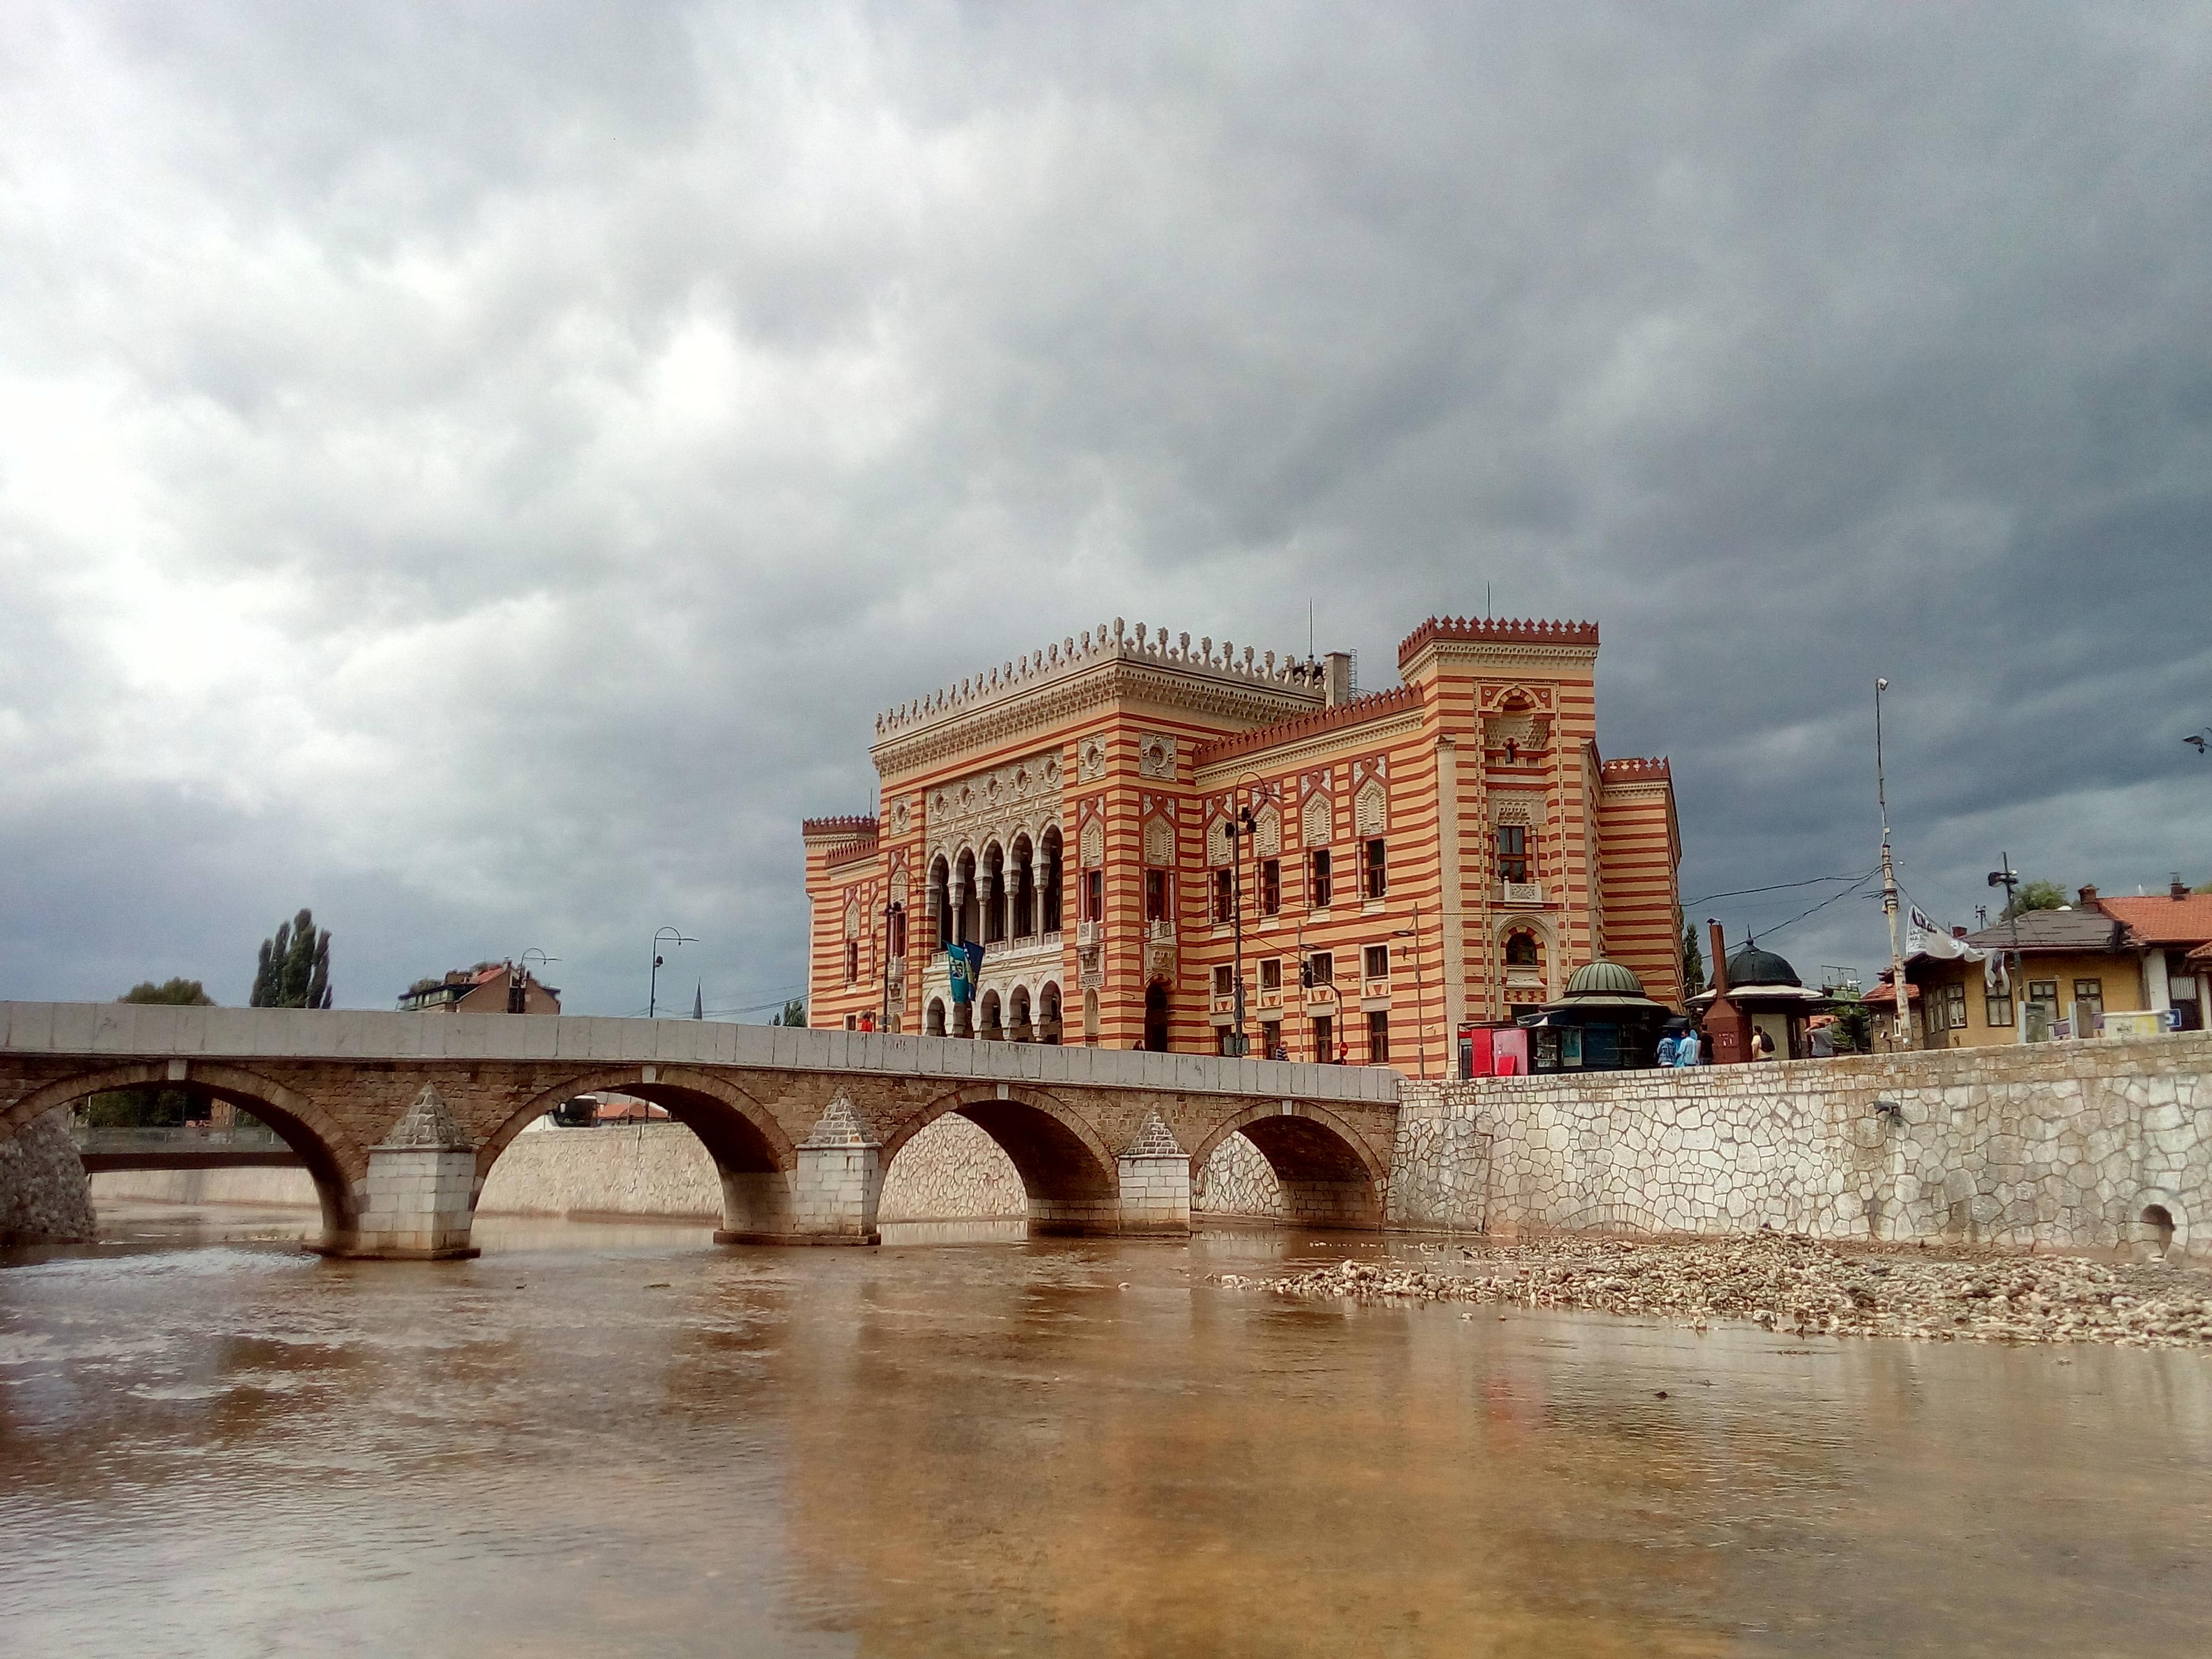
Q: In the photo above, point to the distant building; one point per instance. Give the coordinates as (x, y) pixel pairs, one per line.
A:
(1418, 859)
(2077, 963)
(490, 987)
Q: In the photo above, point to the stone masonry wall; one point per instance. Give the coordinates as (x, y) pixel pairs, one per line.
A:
(2065, 1144)
(44, 1199)
(951, 1171)
(1238, 1180)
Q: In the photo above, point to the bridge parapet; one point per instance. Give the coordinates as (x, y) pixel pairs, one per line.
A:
(141, 1031)
(1099, 1136)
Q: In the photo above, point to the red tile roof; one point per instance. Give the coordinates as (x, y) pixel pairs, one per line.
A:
(2163, 920)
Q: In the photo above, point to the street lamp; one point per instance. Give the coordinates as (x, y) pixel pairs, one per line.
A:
(652, 994)
(2197, 739)
(894, 944)
(518, 979)
(1420, 995)
(1240, 829)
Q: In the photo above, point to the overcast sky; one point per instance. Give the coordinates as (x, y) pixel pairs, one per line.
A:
(479, 470)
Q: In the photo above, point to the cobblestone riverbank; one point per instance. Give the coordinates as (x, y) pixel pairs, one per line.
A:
(1795, 1285)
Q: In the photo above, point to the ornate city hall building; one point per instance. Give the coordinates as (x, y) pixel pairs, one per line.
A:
(1128, 825)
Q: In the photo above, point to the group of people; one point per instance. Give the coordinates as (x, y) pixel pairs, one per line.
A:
(1686, 1048)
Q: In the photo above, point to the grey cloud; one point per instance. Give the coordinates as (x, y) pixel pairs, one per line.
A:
(577, 424)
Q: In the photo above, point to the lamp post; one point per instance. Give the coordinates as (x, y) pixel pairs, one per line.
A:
(1901, 1025)
(652, 994)
(518, 980)
(1420, 994)
(894, 914)
(1239, 831)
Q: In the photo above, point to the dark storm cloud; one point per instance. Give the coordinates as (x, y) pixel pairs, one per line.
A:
(479, 472)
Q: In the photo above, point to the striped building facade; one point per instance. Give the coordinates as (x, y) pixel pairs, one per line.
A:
(1443, 853)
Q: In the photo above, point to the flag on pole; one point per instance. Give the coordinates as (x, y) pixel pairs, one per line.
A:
(964, 963)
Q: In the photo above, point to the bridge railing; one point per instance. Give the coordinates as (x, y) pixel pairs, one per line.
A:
(188, 1138)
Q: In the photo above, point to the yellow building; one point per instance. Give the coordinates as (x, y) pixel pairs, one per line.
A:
(2075, 965)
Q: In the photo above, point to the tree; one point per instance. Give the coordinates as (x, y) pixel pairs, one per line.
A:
(2034, 896)
(294, 970)
(149, 1107)
(794, 1013)
(173, 993)
(1693, 962)
(1854, 1028)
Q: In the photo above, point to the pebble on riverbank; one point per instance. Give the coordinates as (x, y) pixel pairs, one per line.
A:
(1790, 1284)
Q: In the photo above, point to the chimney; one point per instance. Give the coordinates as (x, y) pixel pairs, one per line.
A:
(1336, 678)
(2089, 897)
(2179, 888)
(1720, 960)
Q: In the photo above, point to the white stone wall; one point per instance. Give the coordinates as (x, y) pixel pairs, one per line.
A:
(1237, 1181)
(951, 1171)
(2057, 1144)
(43, 1196)
(276, 1188)
(641, 1170)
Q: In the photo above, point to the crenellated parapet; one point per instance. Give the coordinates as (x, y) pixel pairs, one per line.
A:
(1637, 771)
(1076, 655)
(1299, 727)
(1496, 630)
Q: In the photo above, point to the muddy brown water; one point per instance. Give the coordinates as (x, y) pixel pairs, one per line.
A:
(601, 1440)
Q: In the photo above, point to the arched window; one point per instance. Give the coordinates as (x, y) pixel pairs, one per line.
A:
(994, 894)
(1156, 1017)
(1048, 878)
(933, 1022)
(1048, 1013)
(1520, 950)
(940, 902)
(1021, 888)
(1017, 1015)
(990, 1028)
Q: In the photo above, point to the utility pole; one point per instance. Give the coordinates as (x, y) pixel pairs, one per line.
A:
(2008, 878)
(1901, 1025)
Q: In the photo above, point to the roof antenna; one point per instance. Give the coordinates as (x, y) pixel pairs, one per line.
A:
(1310, 633)
(1486, 602)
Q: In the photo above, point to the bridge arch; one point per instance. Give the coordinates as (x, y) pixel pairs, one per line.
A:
(1068, 1174)
(331, 1157)
(752, 1154)
(1328, 1176)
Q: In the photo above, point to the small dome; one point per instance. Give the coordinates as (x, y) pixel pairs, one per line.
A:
(1604, 979)
(1753, 966)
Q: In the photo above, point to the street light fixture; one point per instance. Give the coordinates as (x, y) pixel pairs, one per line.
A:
(518, 979)
(652, 994)
(2197, 739)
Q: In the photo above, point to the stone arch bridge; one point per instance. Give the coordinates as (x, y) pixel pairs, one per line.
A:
(399, 1116)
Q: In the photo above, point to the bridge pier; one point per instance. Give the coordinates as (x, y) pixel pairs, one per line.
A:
(418, 1198)
(831, 1195)
(1155, 1183)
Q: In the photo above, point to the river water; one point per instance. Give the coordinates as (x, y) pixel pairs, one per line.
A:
(603, 1439)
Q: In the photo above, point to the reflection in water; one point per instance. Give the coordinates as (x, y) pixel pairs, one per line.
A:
(612, 1438)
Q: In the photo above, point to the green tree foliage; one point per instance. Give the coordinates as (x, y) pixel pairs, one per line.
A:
(1853, 1027)
(2034, 896)
(173, 993)
(794, 1013)
(294, 970)
(1693, 962)
(150, 1107)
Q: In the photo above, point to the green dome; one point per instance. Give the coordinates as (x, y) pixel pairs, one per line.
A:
(1607, 979)
(1753, 966)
